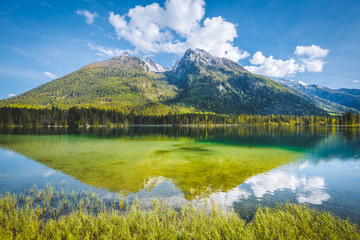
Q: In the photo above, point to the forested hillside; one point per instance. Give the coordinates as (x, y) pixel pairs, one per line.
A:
(220, 85)
(82, 117)
(120, 83)
(199, 82)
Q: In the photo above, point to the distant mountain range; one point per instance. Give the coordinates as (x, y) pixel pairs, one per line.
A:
(334, 101)
(199, 81)
(354, 92)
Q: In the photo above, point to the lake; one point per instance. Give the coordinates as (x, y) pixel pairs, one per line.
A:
(239, 168)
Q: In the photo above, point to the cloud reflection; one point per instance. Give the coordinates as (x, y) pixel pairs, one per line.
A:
(228, 198)
(49, 173)
(308, 189)
(10, 152)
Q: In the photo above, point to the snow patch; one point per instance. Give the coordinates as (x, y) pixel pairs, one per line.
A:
(154, 66)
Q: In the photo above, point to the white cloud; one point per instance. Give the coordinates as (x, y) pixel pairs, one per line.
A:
(217, 36)
(50, 75)
(315, 54)
(258, 58)
(11, 95)
(175, 27)
(308, 189)
(89, 17)
(108, 52)
(46, 4)
(268, 66)
(180, 24)
(313, 65)
(356, 81)
(312, 51)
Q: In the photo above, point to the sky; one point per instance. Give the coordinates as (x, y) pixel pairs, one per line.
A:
(317, 42)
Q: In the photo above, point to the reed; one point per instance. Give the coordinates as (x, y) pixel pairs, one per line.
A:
(46, 214)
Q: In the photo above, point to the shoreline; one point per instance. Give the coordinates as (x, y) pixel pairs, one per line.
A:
(172, 125)
(45, 214)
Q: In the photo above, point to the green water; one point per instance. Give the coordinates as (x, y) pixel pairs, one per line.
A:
(239, 167)
(131, 164)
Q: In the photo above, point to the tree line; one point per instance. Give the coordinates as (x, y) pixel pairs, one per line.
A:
(75, 117)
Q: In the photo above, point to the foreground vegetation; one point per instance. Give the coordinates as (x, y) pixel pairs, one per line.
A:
(74, 117)
(46, 214)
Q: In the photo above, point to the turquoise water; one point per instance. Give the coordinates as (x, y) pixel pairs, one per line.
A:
(238, 167)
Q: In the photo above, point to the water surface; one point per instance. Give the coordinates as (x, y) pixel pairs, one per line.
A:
(238, 167)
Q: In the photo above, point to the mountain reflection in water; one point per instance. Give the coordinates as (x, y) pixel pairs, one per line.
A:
(232, 165)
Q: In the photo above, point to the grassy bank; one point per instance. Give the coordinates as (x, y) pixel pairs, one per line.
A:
(46, 214)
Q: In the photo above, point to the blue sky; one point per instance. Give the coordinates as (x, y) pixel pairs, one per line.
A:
(312, 41)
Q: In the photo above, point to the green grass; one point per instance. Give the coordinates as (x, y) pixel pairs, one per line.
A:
(46, 214)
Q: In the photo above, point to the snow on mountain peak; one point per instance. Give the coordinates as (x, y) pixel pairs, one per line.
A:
(192, 58)
(125, 56)
(154, 67)
(302, 83)
(149, 65)
(292, 83)
(202, 57)
(198, 56)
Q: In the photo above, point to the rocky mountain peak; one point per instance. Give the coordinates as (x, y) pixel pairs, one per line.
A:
(132, 61)
(123, 56)
(196, 59)
(154, 66)
(201, 57)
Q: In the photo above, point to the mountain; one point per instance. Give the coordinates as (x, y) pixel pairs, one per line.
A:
(346, 99)
(155, 67)
(354, 92)
(124, 83)
(199, 81)
(220, 85)
(301, 89)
